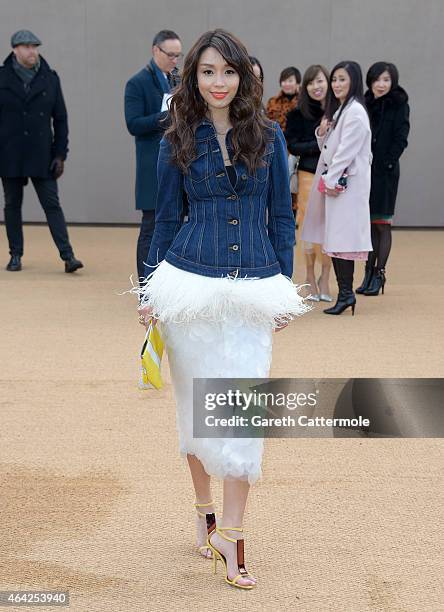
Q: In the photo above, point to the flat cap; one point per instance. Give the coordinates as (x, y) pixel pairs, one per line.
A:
(24, 37)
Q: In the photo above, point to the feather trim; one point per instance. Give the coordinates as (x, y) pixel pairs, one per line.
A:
(179, 296)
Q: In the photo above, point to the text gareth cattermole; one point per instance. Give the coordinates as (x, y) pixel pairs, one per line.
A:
(243, 400)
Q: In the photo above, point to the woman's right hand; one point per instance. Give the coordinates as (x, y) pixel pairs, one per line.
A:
(323, 127)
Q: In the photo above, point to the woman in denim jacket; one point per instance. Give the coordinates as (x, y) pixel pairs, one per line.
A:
(222, 280)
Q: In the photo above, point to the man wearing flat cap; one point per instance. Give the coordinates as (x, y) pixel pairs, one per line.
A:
(33, 144)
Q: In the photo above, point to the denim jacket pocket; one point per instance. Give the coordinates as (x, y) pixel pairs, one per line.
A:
(261, 174)
(200, 167)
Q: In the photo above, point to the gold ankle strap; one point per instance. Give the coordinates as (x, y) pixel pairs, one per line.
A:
(219, 530)
(210, 503)
(201, 514)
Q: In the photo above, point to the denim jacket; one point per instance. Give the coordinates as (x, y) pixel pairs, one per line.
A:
(245, 231)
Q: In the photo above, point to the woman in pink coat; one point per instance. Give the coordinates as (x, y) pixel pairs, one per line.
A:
(338, 214)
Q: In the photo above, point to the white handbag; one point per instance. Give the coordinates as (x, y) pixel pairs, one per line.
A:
(293, 163)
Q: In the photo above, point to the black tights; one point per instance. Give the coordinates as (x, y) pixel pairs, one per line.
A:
(382, 244)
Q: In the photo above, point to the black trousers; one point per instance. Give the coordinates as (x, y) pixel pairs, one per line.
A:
(146, 235)
(144, 241)
(47, 193)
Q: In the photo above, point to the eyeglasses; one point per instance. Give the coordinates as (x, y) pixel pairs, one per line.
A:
(171, 56)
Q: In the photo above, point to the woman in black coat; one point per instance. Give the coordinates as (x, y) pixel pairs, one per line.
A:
(387, 105)
(301, 141)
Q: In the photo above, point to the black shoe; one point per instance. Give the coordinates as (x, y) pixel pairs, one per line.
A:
(377, 283)
(15, 264)
(73, 264)
(369, 272)
(342, 304)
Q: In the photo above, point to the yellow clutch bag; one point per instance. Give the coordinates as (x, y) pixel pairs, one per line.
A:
(151, 355)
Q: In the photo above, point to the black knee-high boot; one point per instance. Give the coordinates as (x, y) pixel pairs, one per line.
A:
(344, 269)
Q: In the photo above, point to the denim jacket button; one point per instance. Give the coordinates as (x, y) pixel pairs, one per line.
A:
(220, 175)
(232, 197)
(233, 273)
(235, 247)
(244, 177)
(233, 221)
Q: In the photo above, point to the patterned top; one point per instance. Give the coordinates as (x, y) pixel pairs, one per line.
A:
(279, 106)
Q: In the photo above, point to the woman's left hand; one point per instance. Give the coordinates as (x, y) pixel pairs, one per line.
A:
(145, 315)
(331, 192)
(280, 326)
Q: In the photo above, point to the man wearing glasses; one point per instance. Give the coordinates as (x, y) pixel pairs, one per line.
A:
(146, 94)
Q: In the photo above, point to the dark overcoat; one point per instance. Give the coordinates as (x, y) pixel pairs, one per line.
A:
(389, 120)
(143, 101)
(33, 123)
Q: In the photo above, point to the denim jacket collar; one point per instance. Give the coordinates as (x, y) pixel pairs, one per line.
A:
(206, 131)
(208, 125)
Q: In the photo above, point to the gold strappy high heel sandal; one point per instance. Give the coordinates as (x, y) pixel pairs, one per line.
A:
(210, 519)
(217, 555)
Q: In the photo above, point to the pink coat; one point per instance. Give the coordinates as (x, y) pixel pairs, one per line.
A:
(342, 224)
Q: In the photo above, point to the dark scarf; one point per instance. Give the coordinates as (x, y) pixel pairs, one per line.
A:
(164, 84)
(25, 74)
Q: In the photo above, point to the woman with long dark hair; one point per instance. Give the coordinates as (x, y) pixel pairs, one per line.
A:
(257, 68)
(338, 215)
(387, 105)
(224, 278)
(301, 141)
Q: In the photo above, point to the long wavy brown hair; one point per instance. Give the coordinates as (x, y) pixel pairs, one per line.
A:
(188, 108)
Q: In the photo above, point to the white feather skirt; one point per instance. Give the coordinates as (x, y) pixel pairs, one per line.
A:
(229, 349)
(218, 328)
(180, 297)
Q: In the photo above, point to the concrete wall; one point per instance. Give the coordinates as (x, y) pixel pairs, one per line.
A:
(96, 45)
